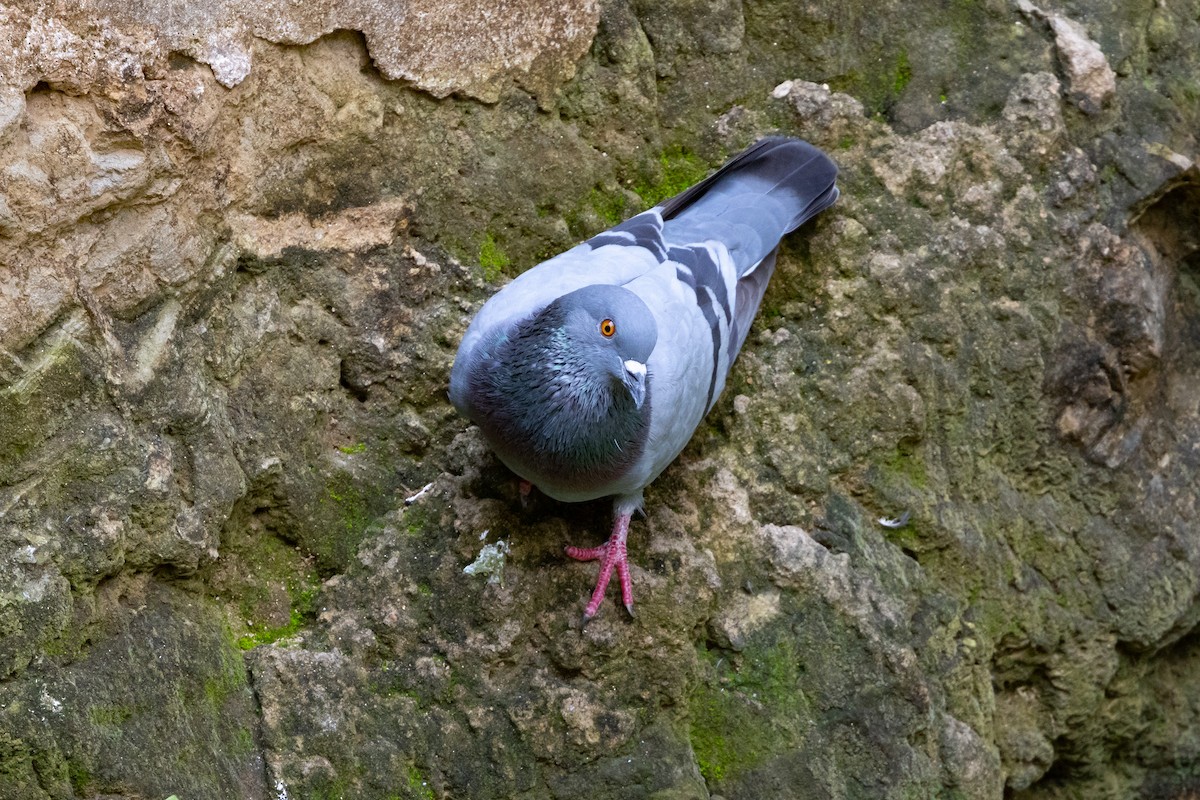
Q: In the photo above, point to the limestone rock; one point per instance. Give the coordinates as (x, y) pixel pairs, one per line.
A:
(239, 248)
(1090, 79)
(439, 47)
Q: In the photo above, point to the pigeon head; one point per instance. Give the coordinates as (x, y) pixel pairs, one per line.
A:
(566, 392)
(611, 331)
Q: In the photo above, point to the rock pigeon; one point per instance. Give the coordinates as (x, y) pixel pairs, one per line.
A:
(589, 373)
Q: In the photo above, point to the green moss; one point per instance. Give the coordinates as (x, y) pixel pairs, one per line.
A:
(109, 716)
(878, 91)
(417, 785)
(903, 72)
(600, 210)
(351, 503)
(230, 678)
(996, 619)
(261, 577)
(70, 644)
(710, 741)
(338, 787)
(242, 743)
(222, 688)
(303, 609)
(161, 703)
(492, 258)
(906, 464)
(19, 773)
(739, 718)
(609, 207)
(79, 777)
(354, 449)
(334, 521)
(416, 519)
(679, 170)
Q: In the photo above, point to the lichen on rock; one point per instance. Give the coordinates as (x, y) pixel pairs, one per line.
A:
(239, 248)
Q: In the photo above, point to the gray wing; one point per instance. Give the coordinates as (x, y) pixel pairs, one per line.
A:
(759, 196)
(734, 220)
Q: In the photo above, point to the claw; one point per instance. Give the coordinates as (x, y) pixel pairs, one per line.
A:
(612, 556)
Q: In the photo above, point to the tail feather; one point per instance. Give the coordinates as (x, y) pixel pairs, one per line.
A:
(767, 191)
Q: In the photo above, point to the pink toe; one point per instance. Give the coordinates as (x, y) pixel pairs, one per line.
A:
(585, 553)
(612, 555)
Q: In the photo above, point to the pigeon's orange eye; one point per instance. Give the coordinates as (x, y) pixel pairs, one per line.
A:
(608, 328)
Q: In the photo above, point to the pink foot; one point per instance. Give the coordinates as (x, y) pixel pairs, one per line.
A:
(611, 555)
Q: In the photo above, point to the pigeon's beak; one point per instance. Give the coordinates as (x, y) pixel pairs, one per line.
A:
(635, 381)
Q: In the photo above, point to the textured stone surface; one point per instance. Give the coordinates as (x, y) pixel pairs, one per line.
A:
(238, 252)
(1090, 78)
(441, 47)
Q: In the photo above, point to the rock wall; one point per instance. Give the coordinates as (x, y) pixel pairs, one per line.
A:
(239, 246)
